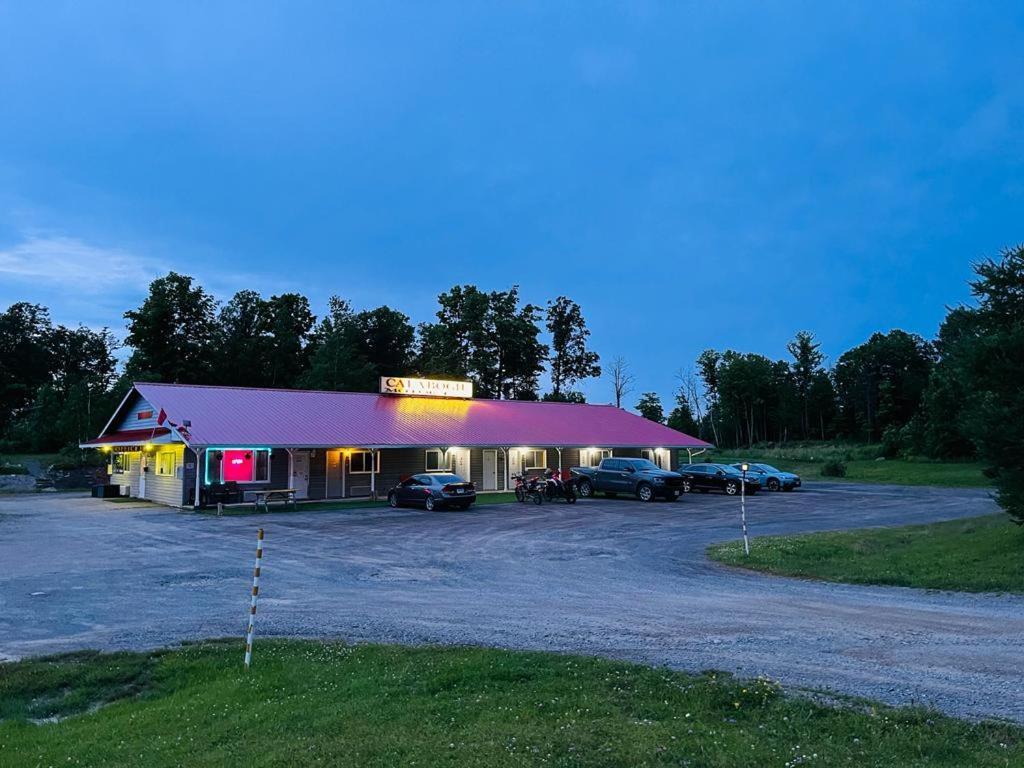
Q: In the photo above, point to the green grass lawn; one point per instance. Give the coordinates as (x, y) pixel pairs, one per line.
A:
(311, 703)
(978, 554)
(341, 506)
(863, 465)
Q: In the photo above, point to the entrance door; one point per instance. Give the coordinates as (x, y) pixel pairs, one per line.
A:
(300, 474)
(143, 469)
(335, 490)
(460, 464)
(490, 470)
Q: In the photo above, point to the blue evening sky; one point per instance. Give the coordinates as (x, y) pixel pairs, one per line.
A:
(696, 175)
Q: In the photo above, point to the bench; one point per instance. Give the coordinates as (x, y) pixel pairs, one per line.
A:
(264, 498)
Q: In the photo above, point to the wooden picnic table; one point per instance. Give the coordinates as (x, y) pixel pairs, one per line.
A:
(264, 497)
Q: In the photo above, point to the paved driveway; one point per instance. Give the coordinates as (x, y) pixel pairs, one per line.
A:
(610, 577)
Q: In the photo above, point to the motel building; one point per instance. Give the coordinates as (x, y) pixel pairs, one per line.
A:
(180, 444)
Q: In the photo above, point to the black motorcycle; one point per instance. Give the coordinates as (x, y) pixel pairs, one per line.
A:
(555, 488)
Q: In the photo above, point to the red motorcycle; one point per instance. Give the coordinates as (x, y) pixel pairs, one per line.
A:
(531, 488)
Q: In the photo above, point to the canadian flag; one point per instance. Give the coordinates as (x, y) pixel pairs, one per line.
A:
(161, 417)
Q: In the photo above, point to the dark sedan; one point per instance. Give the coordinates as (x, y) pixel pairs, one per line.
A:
(716, 477)
(433, 491)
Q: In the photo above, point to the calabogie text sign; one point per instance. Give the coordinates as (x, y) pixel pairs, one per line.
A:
(401, 385)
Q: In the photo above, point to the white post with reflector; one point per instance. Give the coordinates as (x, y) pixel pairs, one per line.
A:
(255, 593)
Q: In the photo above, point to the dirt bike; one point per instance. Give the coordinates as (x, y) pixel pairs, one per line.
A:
(528, 488)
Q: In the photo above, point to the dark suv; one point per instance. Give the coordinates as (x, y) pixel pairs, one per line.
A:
(716, 477)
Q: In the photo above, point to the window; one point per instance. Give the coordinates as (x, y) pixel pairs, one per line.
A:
(591, 457)
(647, 453)
(165, 464)
(120, 462)
(438, 461)
(240, 465)
(533, 458)
(361, 463)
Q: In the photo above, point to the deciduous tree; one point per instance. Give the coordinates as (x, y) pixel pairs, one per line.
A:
(571, 361)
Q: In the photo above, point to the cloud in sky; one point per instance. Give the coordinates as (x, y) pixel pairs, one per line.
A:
(62, 263)
(87, 283)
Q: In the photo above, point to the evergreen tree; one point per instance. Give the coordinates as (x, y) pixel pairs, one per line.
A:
(806, 367)
(681, 417)
(650, 407)
(336, 359)
(987, 354)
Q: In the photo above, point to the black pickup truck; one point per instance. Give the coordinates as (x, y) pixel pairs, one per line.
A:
(639, 477)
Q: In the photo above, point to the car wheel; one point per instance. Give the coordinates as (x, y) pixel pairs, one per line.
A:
(731, 488)
(645, 492)
(773, 484)
(429, 504)
(393, 499)
(687, 488)
(586, 489)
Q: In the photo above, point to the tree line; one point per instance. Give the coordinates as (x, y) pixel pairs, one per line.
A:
(958, 396)
(955, 396)
(58, 385)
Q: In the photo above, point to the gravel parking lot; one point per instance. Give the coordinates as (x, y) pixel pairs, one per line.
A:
(611, 577)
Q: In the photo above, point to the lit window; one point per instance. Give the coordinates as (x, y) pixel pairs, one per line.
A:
(361, 463)
(437, 461)
(243, 465)
(534, 458)
(120, 462)
(593, 456)
(165, 464)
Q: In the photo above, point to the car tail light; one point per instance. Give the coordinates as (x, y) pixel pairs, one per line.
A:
(448, 488)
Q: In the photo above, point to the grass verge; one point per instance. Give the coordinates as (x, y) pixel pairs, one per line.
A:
(977, 554)
(311, 703)
(864, 464)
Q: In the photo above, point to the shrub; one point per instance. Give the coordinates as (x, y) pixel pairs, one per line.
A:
(833, 468)
(72, 457)
(13, 469)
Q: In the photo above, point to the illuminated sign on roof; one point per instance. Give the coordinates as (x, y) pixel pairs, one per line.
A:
(400, 385)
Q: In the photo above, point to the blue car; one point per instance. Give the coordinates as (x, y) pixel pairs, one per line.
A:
(771, 478)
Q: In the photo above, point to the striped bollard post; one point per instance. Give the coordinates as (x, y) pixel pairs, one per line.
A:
(255, 594)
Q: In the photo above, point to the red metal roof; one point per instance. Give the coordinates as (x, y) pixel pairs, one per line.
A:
(129, 436)
(226, 416)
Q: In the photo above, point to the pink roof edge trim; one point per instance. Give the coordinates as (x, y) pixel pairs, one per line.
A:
(318, 418)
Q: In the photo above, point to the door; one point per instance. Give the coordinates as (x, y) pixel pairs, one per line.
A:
(335, 490)
(609, 475)
(300, 474)
(460, 465)
(490, 481)
(143, 471)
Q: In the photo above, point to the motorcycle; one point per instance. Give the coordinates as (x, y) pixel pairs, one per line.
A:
(528, 488)
(556, 488)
